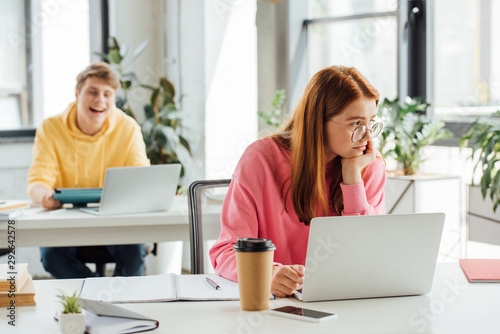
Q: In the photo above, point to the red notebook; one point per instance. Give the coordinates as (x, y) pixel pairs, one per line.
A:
(481, 270)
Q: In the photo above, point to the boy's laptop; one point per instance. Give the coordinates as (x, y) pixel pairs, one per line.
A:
(138, 189)
(371, 256)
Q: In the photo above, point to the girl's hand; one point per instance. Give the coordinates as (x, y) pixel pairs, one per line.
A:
(352, 167)
(287, 279)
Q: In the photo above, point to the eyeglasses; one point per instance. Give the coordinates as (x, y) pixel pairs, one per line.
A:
(360, 131)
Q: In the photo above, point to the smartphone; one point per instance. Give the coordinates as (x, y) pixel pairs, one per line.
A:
(302, 314)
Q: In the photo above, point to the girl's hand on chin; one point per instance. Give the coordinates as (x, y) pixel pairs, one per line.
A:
(352, 167)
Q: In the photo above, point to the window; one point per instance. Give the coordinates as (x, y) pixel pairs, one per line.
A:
(46, 44)
(466, 52)
(13, 90)
(360, 33)
(65, 52)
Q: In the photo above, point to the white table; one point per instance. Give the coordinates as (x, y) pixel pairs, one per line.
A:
(453, 306)
(72, 227)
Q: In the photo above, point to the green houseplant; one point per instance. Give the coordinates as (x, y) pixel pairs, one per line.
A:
(484, 139)
(163, 124)
(164, 144)
(71, 319)
(407, 131)
(274, 116)
(119, 60)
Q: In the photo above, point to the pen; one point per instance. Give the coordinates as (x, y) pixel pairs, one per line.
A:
(212, 283)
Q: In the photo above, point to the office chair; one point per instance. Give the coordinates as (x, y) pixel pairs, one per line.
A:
(214, 192)
(100, 256)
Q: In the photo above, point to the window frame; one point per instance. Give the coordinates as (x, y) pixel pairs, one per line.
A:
(98, 32)
(423, 37)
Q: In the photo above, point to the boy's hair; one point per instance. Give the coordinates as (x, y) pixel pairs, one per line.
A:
(99, 70)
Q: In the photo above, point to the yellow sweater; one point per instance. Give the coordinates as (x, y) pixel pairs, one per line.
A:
(65, 157)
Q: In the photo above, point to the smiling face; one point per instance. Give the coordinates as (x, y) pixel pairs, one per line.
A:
(94, 101)
(339, 129)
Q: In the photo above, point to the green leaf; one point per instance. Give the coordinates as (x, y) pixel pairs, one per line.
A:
(71, 304)
(183, 155)
(168, 87)
(149, 113)
(185, 143)
(494, 191)
(130, 76)
(279, 99)
(148, 87)
(114, 56)
(162, 140)
(137, 52)
(154, 96)
(102, 55)
(120, 102)
(113, 43)
(172, 138)
(126, 84)
(166, 113)
(123, 50)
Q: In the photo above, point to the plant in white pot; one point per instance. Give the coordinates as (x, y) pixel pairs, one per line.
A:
(72, 319)
(407, 131)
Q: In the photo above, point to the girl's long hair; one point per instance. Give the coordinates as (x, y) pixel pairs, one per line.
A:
(327, 94)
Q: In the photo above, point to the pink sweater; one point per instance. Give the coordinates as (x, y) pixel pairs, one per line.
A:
(254, 206)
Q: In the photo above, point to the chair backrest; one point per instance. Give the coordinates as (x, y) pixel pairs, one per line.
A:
(214, 192)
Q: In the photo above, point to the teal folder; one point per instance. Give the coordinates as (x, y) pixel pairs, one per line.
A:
(78, 196)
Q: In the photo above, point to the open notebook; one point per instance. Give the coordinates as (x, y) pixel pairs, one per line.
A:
(158, 288)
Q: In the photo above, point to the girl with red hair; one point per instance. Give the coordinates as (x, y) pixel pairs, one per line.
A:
(322, 164)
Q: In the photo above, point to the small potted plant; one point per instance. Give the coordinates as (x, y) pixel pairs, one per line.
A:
(72, 319)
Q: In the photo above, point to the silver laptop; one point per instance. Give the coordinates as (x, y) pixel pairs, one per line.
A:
(352, 257)
(138, 189)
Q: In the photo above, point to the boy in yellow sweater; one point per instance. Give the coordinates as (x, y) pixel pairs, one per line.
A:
(74, 149)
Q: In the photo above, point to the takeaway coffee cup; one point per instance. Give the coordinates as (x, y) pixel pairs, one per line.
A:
(254, 262)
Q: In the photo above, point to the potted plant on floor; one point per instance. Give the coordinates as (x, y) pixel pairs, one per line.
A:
(72, 319)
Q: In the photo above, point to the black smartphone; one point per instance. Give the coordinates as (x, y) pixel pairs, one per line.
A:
(303, 313)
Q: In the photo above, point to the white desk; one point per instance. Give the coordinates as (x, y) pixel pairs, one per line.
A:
(453, 306)
(71, 227)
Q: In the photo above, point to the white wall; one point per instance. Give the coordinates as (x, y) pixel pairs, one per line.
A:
(15, 159)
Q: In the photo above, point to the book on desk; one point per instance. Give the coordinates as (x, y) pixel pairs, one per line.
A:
(19, 290)
(159, 288)
(12, 209)
(481, 270)
(106, 318)
(13, 205)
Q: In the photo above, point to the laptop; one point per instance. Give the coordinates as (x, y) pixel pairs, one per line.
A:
(353, 257)
(137, 189)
